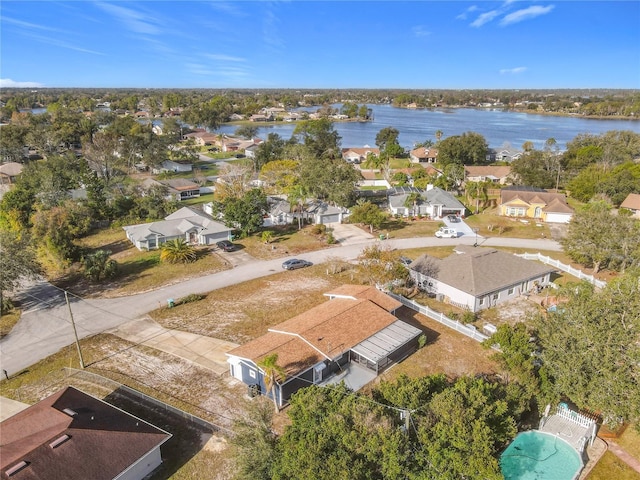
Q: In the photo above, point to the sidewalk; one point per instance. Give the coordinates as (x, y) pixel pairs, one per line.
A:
(619, 452)
(205, 351)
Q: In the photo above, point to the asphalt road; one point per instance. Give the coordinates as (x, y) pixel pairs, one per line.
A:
(45, 326)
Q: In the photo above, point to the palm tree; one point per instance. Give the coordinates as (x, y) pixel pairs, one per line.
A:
(378, 162)
(98, 265)
(273, 375)
(177, 251)
(298, 194)
(438, 135)
(478, 191)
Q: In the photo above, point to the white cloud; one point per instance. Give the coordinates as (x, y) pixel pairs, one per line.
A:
(228, 8)
(224, 58)
(512, 71)
(463, 15)
(485, 18)
(137, 22)
(8, 83)
(526, 14)
(420, 31)
(31, 26)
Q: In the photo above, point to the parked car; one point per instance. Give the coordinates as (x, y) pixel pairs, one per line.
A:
(446, 232)
(294, 263)
(453, 218)
(226, 245)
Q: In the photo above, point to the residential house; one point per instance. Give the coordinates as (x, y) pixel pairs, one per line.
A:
(371, 178)
(356, 325)
(177, 188)
(424, 155)
(261, 118)
(71, 435)
(476, 278)
(279, 212)
(505, 155)
(203, 138)
(433, 202)
(632, 203)
(250, 151)
(535, 203)
(358, 155)
(192, 225)
(488, 173)
(9, 172)
(323, 213)
(171, 166)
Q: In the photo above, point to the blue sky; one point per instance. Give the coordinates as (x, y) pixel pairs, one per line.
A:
(329, 44)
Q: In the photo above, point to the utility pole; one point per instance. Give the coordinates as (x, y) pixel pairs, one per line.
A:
(75, 332)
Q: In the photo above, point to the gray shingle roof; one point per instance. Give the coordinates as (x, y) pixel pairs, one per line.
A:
(479, 271)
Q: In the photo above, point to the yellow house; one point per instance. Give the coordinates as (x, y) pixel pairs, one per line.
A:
(537, 204)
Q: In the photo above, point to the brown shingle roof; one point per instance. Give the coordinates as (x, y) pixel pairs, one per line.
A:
(325, 331)
(498, 171)
(102, 440)
(632, 202)
(479, 271)
(507, 196)
(366, 292)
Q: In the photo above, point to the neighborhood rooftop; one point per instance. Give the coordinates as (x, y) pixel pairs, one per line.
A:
(72, 435)
(480, 271)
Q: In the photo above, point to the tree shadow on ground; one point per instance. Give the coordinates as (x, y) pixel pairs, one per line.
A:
(412, 318)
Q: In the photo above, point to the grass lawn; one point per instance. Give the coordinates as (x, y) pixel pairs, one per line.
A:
(286, 240)
(203, 198)
(138, 271)
(630, 441)
(492, 225)
(8, 320)
(610, 467)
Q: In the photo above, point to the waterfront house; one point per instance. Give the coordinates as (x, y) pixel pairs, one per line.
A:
(424, 155)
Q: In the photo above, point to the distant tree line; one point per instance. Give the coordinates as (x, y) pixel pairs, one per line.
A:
(602, 102)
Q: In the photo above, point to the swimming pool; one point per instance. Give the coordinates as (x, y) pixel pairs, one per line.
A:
(541, 456)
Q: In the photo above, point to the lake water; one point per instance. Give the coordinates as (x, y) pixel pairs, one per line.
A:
(498, 127)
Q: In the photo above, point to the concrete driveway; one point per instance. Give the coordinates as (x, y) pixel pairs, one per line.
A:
(347, 234)
(205, 351)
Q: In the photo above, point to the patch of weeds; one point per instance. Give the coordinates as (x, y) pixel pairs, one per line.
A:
(192, 297)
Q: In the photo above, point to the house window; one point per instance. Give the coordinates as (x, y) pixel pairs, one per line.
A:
(481, 302)
(510, 291)
(252, 373)
(494, 296)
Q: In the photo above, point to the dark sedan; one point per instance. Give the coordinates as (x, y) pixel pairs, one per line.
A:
(295, 263)
(226, 245)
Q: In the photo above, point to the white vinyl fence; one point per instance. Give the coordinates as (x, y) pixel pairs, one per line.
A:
(561, 266)
(468, 330)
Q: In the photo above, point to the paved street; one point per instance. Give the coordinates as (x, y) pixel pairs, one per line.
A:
(45, 326)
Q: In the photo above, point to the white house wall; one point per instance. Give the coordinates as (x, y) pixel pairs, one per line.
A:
(143, 467)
